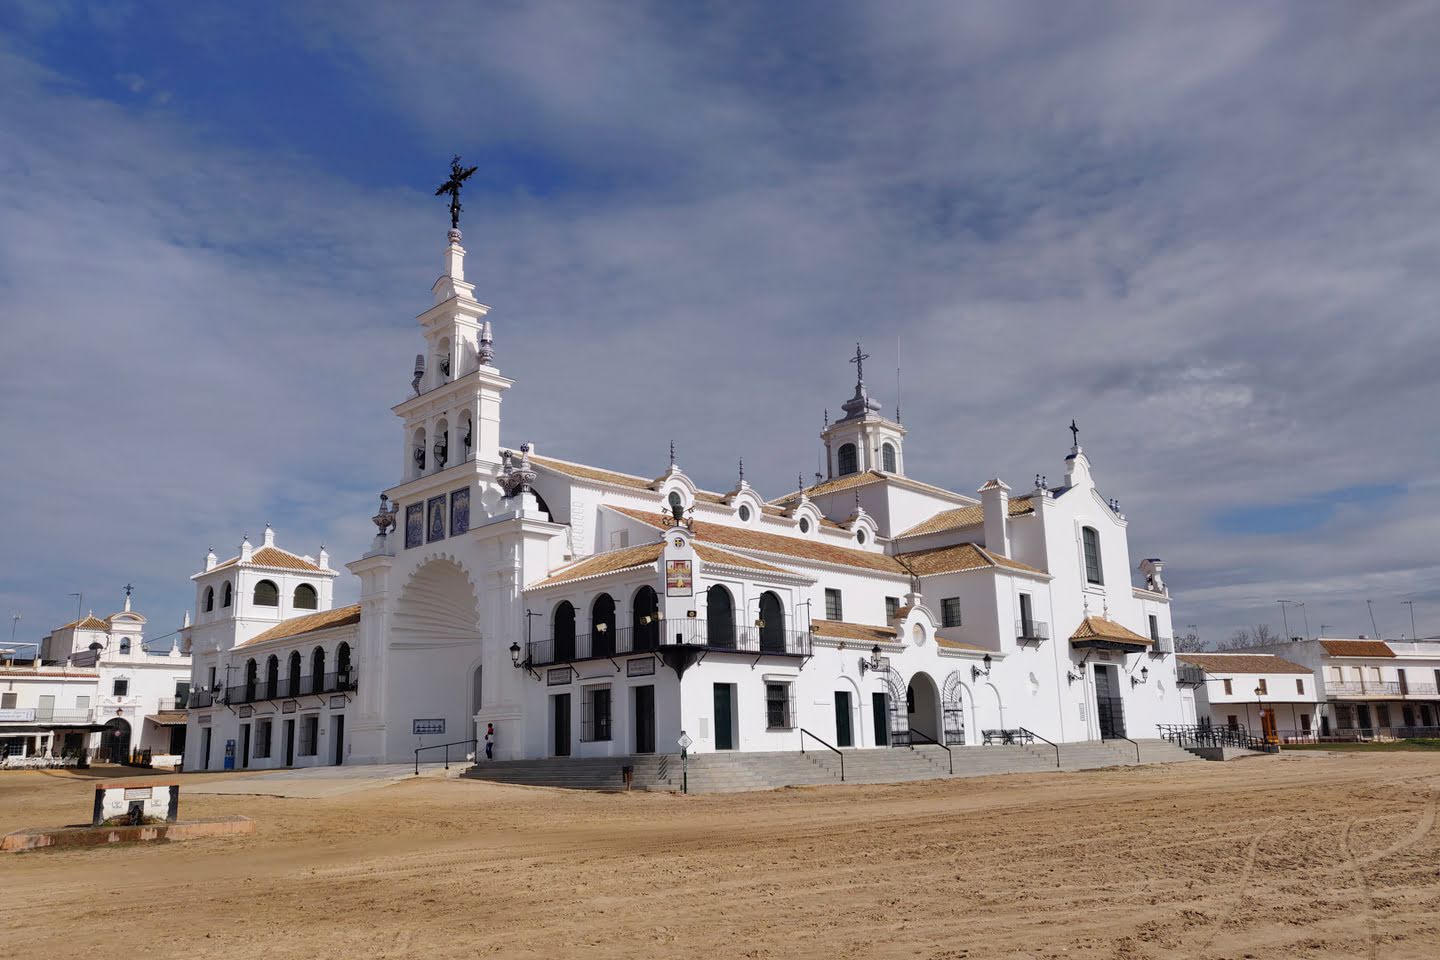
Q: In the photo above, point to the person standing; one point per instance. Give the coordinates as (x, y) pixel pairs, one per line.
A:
(489, 741)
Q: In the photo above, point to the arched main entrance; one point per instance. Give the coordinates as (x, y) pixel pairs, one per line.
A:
(952, 708)
(922, 707)
(115, 740)
(434, 649)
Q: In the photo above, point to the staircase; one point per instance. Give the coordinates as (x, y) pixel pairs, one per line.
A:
(739, 772)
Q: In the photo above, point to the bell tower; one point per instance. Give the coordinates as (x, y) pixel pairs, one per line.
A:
(863, 439)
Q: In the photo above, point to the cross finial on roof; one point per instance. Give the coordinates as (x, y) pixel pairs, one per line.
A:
(800, 482)
(1074, 434)
(129, 589)
(672, 453)
(458, 175)
(859, 361)
(742, 469)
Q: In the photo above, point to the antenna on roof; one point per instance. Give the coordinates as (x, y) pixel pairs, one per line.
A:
(897, 378)
(1369, 605)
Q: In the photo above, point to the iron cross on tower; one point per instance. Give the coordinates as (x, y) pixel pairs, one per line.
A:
(1074, 434)
(859, 361)
(458, 175)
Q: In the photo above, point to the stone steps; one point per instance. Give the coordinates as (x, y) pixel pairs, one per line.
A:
(738, 772)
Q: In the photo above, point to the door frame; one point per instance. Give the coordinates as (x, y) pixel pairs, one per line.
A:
(730, 726)
(337, 727)
(847, 712)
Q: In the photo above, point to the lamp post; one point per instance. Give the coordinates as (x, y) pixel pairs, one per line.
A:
(1260, 708)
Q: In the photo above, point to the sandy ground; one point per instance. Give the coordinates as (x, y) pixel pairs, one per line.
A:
(1293, 856)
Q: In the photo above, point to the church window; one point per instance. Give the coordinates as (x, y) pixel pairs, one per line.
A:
(950, 612)
(209, 599)
(804, 524)
(1092, 555)
(267, 594)
(306, 598)
(602, 626)
(860, 537)
(834, 609)
(892, 608)
(563, 637)
(719, 617)
(228, 594)
(847, 461)
(744, 513)
(121, 687)
(125, 645)
(779, 706)
(887, 457)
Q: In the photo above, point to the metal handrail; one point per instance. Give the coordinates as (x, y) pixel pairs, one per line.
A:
(1132, 742)
(1037, 736)
(437, 746)
(833, 749)
(929, 739)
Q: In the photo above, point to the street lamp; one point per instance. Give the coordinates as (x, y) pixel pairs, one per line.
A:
(515, 655)
(1144, 677)
(873, 663)
(1260, 707)
(976, 673)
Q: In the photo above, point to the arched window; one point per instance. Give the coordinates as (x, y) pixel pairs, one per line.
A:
(306, 598)
(293, 687)
(563, 632)
(342, 666)
(209, 599)
(1092, 555)
(645, 619)
(719, 617)
(228, 594)
(467, 434)
(846, 460)
(417, 453)
(250, 679)
(772, 623)
(887, 457)
(125, 645)
(317, 671)
(267, 594)
(272, 676)
(602, 626)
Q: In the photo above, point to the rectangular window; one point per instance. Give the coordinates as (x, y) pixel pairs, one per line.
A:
(1304, 723)
(309, 735)
(1092, 555)
(1027, 616)
(262, 739)
(1228, 691)
(950, 612)
(892, 608)
(211, 684)
(779, 706)
(1300, 686)
(46, 709)
(7, 701)
(833, 608)
(414, 525)
(1233, 721)
(1382, 714)
(595, 724)
(121, 688)
(82, 703)
(1154, 628)
(1264, 687)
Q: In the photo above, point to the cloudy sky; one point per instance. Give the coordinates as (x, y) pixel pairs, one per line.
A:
(1210, 234)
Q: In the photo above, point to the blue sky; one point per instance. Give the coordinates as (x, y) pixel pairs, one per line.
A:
(1208, 234)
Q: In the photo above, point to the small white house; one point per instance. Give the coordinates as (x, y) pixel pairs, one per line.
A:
(1260, 693)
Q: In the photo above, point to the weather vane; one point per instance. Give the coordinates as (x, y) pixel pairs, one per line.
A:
(458, 175)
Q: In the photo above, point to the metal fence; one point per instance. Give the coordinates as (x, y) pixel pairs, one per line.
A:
(1211, 735)
(341, 681)
(662, 633)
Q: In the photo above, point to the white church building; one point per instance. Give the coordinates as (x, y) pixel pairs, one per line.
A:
(585, 611)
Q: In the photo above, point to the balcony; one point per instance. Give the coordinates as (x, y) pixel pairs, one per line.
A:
(1031, 631)
(1163, 646)
(669, 633)
(57, 716)
(344, 681)
(1189, 675)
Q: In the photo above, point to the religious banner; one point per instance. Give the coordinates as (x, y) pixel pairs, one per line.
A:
(459, 511)
(679, 582)
(414, 525)
(435, 525)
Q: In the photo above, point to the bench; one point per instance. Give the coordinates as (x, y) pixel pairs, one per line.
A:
(1015, 736)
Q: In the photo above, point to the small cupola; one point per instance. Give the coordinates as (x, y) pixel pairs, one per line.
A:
(863, 439)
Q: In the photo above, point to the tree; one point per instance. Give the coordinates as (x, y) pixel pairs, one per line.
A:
(1260, 635)
(1190, 643)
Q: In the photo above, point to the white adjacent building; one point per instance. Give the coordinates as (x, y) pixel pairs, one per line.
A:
(585, 611)
(100, 688)
(1263, 694)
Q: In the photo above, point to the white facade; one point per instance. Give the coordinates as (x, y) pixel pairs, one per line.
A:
(583, 611)
(1263, 694)
(97, 688)
(1372, 688)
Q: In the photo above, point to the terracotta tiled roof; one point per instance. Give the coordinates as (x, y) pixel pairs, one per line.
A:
(744, 538)
(632, 558)
(840, 630)
(1241, 663)
(1357, 648)
(20, 673)
(1098, 628)
(168, 718)
(956, 558)
(964, 517)
(272, 557)
(957, 644)
(89, 622)
(580, 471)
(295, 626)
(852, 480)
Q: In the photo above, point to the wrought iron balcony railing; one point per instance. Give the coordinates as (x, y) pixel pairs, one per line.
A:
(342, 681)
(1031, 631)
(667, 633)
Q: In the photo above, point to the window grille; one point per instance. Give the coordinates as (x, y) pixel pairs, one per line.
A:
(892, 608)
(1092, 556)
(779, 706)
(309, 735)
(121, 688)
(262, 739)
(887, 458)
(267, 594)
(834, 609)
(950, 612)
(595, 723)
(847, 460)
(306, 598)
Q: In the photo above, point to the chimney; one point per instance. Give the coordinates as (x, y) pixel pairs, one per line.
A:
(245, 549)
(995, 504)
